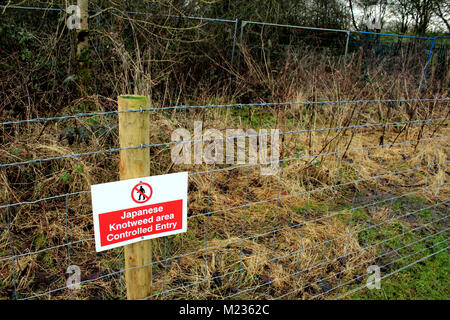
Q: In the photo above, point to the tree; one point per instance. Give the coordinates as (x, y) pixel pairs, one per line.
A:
(375, 10)
(352, 14)
(329, 14)
(417, 15)
(317, 13)
(421, 14)
(402, 9)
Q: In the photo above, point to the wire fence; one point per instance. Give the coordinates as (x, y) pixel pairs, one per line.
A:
(263, 246)
(388, 49)
(358, 183)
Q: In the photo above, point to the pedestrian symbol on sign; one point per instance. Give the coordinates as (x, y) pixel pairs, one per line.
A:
(142, 192)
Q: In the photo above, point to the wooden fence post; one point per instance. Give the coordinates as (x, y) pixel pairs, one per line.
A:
(135, 163)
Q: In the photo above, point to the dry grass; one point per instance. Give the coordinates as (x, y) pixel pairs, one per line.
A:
(243, 253)
(319, 208)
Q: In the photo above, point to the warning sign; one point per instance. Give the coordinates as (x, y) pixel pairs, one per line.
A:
(133, 210)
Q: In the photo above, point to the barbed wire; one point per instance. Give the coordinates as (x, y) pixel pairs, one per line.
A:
(366, 248)
(327, 188)
(294, 226)
(397, 271)
(261, 263)
(255, 165)
(261, 235)
(279, 198)
(276, 133)
(212, 106)
(30, 8)
(278, 258)
(265, 201)
(361, 264)
(434, 168)
(209, 213)
(395, 261)
(226, 21)
(327, 241)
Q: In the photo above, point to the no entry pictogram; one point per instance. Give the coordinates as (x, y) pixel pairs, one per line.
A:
(141, 193)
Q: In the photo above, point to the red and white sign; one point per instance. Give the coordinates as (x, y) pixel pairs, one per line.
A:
(130, 211)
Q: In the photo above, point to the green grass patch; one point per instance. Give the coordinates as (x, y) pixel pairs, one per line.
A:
(426, 280)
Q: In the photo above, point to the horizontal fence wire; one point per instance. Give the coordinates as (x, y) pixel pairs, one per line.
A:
(275, 230)
(239, 105)
(127, 12)
(249, 238)
(371, 259)
(247, 205)
(398, 270)
(143, 146)
(146, 146)
(271, 260)
(225, 20)
(208, 213)
(397, 260)
(263, 164)
(360, 264)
